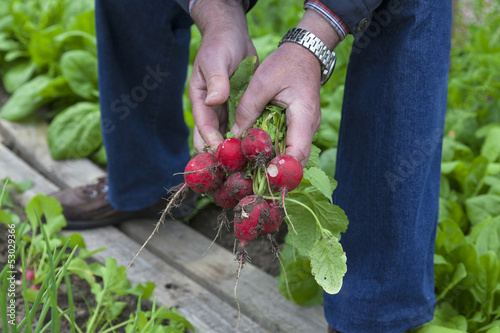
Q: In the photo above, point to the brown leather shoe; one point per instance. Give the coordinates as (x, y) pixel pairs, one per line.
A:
(87, 207)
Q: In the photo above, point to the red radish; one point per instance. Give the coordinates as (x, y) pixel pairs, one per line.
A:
(257, 145)
(249, 216)
(222, 197)
(202, 173)
(238, 186)
(35, 287)
(30, 274)
(284, 172)
(276, 215)
(231, 155)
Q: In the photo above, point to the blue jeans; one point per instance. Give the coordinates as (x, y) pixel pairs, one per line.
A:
(143, 53)
(389, 154)
(388, 168)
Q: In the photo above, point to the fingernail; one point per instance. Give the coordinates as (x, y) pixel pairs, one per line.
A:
(236, 130)
(212, 94)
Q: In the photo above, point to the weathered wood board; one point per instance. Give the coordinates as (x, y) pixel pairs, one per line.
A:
(257, 291)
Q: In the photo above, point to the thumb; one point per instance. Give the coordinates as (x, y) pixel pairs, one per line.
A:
(217, 81)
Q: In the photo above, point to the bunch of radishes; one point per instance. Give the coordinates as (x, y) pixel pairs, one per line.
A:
(244, 175)
(251, 176)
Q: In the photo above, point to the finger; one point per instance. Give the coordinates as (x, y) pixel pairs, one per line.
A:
(198, 141)
(252, 103)
(205, 117)
(303, 122)
(215, 73)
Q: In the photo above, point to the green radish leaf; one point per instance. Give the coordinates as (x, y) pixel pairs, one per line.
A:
(114, 277)
(145, 291)
(41, 205)
(5, 217)
(331, 217)
(75, 132)
(79, 68)
(303, 287)
(18, 74)
(314, 159)
(25, 100)
(320, 180)
(328, 263)
(79, 267)
(238, 84)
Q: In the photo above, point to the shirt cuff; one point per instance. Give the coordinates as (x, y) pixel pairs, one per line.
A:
(330, 16)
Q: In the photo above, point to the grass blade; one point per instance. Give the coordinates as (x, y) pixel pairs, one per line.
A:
(71, 304)
(27, 327)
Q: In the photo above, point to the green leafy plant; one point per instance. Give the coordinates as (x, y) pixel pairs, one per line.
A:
(54, 260)
(48, 58)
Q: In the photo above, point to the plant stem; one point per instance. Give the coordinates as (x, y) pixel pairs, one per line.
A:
(262, 182)
(310, 210)
(93, 320)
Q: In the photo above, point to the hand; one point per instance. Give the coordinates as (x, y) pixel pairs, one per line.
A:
(225, 44)
(289, 77)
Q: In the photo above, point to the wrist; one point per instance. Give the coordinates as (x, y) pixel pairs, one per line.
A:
(214, 15)
(321, 28)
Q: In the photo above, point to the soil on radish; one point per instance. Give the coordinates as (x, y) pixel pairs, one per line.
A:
(206, 223)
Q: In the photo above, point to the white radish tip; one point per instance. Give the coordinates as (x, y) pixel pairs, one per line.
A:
(272, 170)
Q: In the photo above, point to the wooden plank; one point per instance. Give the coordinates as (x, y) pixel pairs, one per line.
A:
(258, 293)
(12, 166)
(203, 309)
(29, 140)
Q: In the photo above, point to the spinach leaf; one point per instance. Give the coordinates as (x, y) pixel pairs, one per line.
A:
(79, 68)
(75, 132)
(25, 100)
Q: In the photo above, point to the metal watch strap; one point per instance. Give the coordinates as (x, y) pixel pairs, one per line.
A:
(316, 46)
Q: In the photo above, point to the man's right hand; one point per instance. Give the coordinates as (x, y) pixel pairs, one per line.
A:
(224, 45)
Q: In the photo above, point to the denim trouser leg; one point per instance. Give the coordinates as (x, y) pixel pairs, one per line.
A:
(143, 52)
(388, 168)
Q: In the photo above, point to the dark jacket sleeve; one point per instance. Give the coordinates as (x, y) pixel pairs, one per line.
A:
(356, 14)
(184, 4)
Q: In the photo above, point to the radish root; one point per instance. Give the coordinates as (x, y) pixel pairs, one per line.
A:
(173, 202)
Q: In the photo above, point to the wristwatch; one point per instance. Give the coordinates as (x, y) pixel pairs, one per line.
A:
(308, 40)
